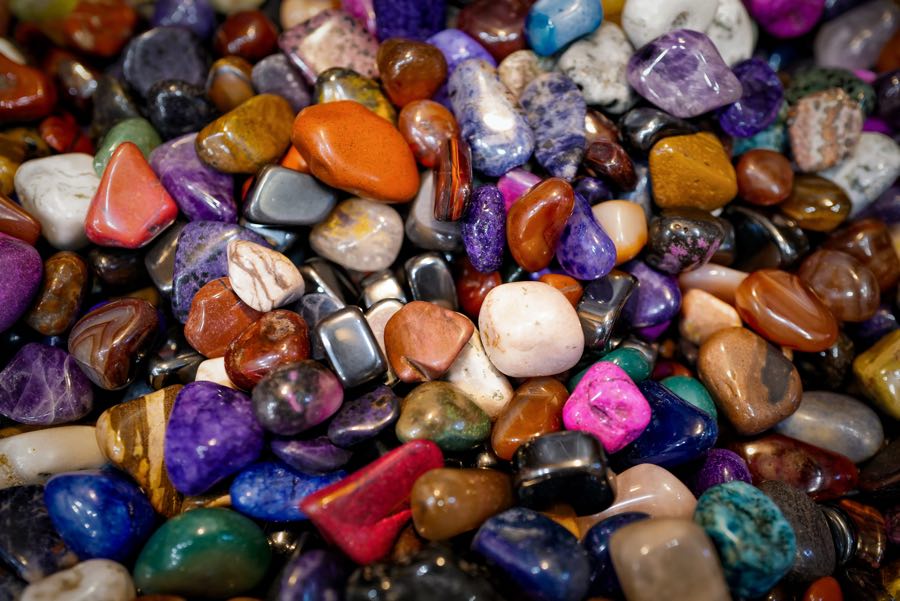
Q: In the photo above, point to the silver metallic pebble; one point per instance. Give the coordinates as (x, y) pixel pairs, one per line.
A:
(351, 347)
(601, 305)
(327, 278)
(160, 259)
(379, 286)
(429, 279)
(282, 196)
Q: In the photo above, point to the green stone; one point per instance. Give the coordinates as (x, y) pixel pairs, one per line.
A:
(135, 130)
(204, 553)
(632, 362)
(816, 79)
(442, 413)
(693, 391)
(41, 10)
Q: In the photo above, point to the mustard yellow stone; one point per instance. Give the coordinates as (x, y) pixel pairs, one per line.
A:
(692, 171)
(878, 370)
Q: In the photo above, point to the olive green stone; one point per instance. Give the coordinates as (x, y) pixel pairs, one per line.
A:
(135, 130)
(630, 360)
(345, 84)
(440, 412)
(878, 371)
(204, 553)
(816, 79)
(693, 391)
(41, 10)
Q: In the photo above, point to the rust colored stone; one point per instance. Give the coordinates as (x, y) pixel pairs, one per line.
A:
(57, 304)
(277, 338)
(536, 408)
(536, 221)
(764, 177)
(423, 339)
(216, 318)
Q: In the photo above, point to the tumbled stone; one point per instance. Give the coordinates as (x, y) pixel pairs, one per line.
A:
(350, 45)
(277, 338)
(824, 127)
(878, 371)
(17, 222)
(733, 31)
(177, 108)
(439, 412)
(869, 242)
(683, 239)
(336, 84)
(535, 223)
(536, 408)
(447, 502)
(163, 53)
(584, 250)
(656, 298)
(261, 277)
(272, 491)
(423, 340)
(296, 397)
(764, 177)
(22, 264)
(847, 287)
(816, 204)
(315, 456)
(276, 75)
(248, 34)
(555, 109)
(228, 83)
(692, 171)
(338, 239)
(135, 130)
(425, 125)
(96, 579)
(56, 305)
(474, 374)
(33, 457)
(702, 315)
(28, 93)
(760, 103)
(410, 70)
(519, 68)
(718, 466)
(217, 317)
(626, 224)
(598, 64)
(869, 170)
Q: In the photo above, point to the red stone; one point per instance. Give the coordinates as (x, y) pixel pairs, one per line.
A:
(472, 287)
(26, 94)
(277, 338)
(248, 34)
(131, 206)
(17, 222)
(99, 27)
(216, 318)
(364, 513)
(452, 180)
(62, 134)
(497, 24)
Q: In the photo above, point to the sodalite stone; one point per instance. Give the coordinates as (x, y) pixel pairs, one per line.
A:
(201, 192)
(483, 228)
(43, 385)
(211, 434)
(272, 491)
(759, 105)
(489, 118)
(555, 109)
(682, 73)
(411, 19)
(543, 559)
(100, 514)
(756, 543)
(551, 24)
(585, 251)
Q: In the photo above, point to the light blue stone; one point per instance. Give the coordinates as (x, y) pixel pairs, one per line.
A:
(552, 24)
(555, 109)
(756, 543)
(489, 118)
(773, 137)
(272, 491)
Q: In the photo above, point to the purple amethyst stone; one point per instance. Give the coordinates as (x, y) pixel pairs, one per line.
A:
(22, 269)
(197, 16)
(585, 251)
(483, 228)
(43, 385)
(655, 300)
(316, 456)
(211, 434)
(759, 105)
(364, 418)
(719, 466)
(411, 19)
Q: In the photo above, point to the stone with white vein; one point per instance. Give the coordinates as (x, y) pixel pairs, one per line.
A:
(92, 580)
(598, 65)
(261, 277)
(733, 32)
(518, 69)
(213, 370)
(474, 374)
(32, 457)
(868, 171)
(645, 20)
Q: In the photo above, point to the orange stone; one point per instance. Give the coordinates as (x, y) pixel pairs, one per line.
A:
(410, 70)
(702, 315)
(349, 147)
(294, 160)
(423, 339)
(425, 125)
(216, 318)
(568, 285)
(536, 221)
(536, 408)
(26, 94)
(824, 589)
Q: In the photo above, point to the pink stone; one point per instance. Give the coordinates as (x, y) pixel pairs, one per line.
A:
(514, 184)
(607, 404)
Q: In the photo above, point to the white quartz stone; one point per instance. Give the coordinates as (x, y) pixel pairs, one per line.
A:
(598, 65)
(32, 457)
(92, 580)
(518, 69)
(645, 20)
(733, 32)
(474, 374)
(359, 234)
(213, 370)
(261, 277)
(869, 170)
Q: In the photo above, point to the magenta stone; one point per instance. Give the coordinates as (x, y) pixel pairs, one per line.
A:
(786, 18)
(514, 184)
(22, 270)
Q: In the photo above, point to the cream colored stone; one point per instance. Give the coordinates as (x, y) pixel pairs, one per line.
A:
(359, 234)
(213, 370)
(474, 374)
(718, 280)
(261, 277)
(92, 580)
(626, 224)
(32, 457)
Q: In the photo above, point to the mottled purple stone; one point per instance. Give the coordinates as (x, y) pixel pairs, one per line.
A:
(201, 192)
(457, 46)
(365, 417)
(786, 18)
(315, 456)
(683, 239)
(163, 54)
(870, 331)
(196, 16)
(201, 257)
(592, 189)
(585, 251)
(555, 109)
(211, 434)
(43, 385)
(719, 466)
(276, 75)
(759, 105)
(22, 271)
(656, 298)
(411, 19)
(315, 574)
(483, 228)
(683, 73)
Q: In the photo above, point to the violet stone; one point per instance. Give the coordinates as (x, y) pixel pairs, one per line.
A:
(555, 109)
(886, 207)
(652, 333)
(718, 466)
(314, 574)
(514, 184)
(313, 308)
(786, 18)
(483, 228)
(592, 190)
(656, 298)
(295, 397)
(365, 417)
(585, 251)
(457, 46)
(43, 385)
(759, 105)
(161, 54)
(211, 434)
(363, 11)
(201, 192)
(200, 257)
(411, 19)
(276, 75)
(22, 269)
(316, 456)
(683, 73)
(197, 16)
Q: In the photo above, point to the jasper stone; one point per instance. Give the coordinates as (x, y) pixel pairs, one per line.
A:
(277, 338)
(206, 552)
(23, 265)
(759, 104)
(423, 339)
(210, 435)
(439, 412)
(824, 127)
(57, 303)
(272, 491)
(164, 53)
(359, 234)
(296, 397)
(43, 385)
(555, 109)
(847, 287)
(692, 171)
(753, 384)
(447, 502)
(216, 318)
(263, 278)
(177, 108)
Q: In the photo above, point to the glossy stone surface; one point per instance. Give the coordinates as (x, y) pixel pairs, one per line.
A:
(585, 251)
(217, 317)
(702, 315)
(877, 370)
(498, 26)
(536, 408)
(210, 435)
(423, 339)
(272, 491)
(775, 240)
(248, 34)
(337, 236)
(847, 287)
(138, 131)
(756, 544)
(110, 341)
(296, 397)
(276, 75)
(649, 489)
(215, 552)
(57, 303)
(261, 277)
(352, 46)
(410, 70)
(311, 573)
(719, 466)
(338, 84)
(23, 264)
(598, 64)
(626, 225)
(439, 412)
(552, 24)
(868, 241)
(364, 417)
(98, 579)
(277, 338)
(854, 40)
(177, 108)
(759, 104)
(601, 306)
(656, 298)
(28, 93)
(683, 239)
(753, 384)
(596, 542)
(163, 53)
(816, 203)
(423, 229)
(824, 127)
(483, 229)
(425, 125)
(17, 222)
(228, 83)
(692, 171)
(764, 177)
(829, 368)
(535, 223)
(447, 502)
(555, 109)
(786, 19)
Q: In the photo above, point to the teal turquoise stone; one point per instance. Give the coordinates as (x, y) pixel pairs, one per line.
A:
(815, 79)
(773, 137)
(553, 24)
(207, 553)
(756, 543)
(693, 391)
(138, 131)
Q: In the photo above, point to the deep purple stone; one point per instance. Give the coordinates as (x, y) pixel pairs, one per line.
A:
(411, 19)
(886, 207)
(719, 466)
(759, 105)
(656, 298)
(315, 456)
(555, 109)
(365, 417)
(585, 251)
(483, 228)
(196, 16)
(201, 192)
(211, 434)
(786, 18)
(43, 385)
(200, 257)
(315, 574)
(276, 75)
(22, 271)
(683, 73)
(868, 332)
(592, 190)
(653, 333)
(457, 47)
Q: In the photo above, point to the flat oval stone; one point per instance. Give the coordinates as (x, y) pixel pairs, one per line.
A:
(164, 53)
(535, 222)
(410, 70)
(272, 491)
(535, 409)
(99, 515)
(351, 45)
(867, 240)
(692, 171)
(555, 109)
(177, 108)
(315, 456)
(296, 397)
(530, 329)
(764, 177)
(440, 412)
(211, 434)
(598, 65)
(719, 466)
(214, 552)
(584, 250)
(359, 234)
(483, 228)
(363, 418)
(32, 457)
(447, 502)
(95, 580)
(261, 277)
(816, 203)
(756, 544)
(56, 305)
(248, 34)
(277, 338)
(255, 133)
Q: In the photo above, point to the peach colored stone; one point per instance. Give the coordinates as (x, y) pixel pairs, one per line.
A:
(626, 224)
(702, 315)
(718, 280)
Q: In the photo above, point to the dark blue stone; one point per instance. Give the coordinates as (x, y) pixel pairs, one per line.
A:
(592, 190)
(677, 433)
(411, 19)
(759, 104)
(312, 576)
(365, 417)
(603, 577)
(315, 456)
(100, 515)
(272, 491)
(540, 557)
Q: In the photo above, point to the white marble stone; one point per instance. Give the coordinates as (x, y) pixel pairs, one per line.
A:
(213, 370)
(733, 32)
(32, 457)
(645, 20)
(519, 68)
(57, 191)
(474, 374)
(91, 580)
(598, 64)
(359, 234)
(869, 170)
(261, 277)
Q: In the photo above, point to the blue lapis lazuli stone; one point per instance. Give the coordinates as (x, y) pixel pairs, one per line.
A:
(272, 491)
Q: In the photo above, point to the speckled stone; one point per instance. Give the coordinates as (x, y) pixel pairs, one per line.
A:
(555, 109)
(363, 418)
(272, 491)
(598, 65)
(411, 19)
(164, 53)
(759, 104)
(824, 127)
